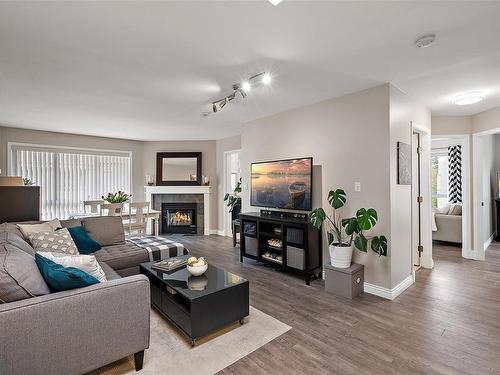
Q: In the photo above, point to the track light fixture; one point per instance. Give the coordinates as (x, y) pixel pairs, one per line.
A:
(242, 88)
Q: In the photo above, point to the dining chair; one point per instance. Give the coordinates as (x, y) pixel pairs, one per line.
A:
(111, 209)
(137, 218)
(93, 206)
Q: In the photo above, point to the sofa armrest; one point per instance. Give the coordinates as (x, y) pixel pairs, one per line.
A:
(75, 331)
(449, 228)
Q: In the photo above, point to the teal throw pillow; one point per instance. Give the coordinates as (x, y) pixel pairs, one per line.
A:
(60, 278)
(83, 241)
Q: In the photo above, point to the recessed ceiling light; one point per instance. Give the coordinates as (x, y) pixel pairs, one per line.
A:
(266, 79)
(425, 40)
(275, 2)
(471, 97)
(246, 86)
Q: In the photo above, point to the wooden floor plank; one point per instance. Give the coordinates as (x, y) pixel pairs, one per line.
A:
(448, 322)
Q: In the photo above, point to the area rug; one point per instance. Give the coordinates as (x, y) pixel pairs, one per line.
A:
(171, 353)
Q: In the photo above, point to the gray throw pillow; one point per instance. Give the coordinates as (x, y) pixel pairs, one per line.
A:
(456, 209)
(106, 230)
(19, 275)
(59, 241)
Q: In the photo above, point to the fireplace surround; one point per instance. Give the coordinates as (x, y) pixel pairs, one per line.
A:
(183, 194)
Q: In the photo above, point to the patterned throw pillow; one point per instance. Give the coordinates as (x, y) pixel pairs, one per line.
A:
(55, 242)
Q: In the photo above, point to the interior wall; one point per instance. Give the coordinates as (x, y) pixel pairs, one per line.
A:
(209, 168)
(487, 173)
(405, 113)
(79, 141)
(486, 120)
(223, 145)
(348, 138)
(448, 125)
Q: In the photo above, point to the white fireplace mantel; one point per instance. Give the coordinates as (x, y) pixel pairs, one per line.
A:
(149, 191)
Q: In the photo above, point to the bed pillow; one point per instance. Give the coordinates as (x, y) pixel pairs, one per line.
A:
(85, 263)
(60, 278)
(54, 242)
(83, 241)
(28, 229)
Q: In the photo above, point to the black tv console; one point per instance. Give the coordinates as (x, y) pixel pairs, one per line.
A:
(286, 241)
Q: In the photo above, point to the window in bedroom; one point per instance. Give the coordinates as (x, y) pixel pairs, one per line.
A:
(439, 163)
(68, 176)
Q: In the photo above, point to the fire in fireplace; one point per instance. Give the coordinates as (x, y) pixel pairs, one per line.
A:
(178, 217)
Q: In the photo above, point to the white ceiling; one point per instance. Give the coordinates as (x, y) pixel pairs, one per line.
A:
(147, 70)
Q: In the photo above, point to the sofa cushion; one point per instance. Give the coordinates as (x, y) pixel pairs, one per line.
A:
(122, 256)
(106, 230)
(57, 242)
(60, 278)
(69, 223)
(19, 275)
(84, 243)
(16, 240)
(109, 272)
(12, 228)
(85, 263)
(29, 229)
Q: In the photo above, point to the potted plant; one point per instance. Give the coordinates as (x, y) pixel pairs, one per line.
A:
(343, 233)
(233, 199)
(118, 197)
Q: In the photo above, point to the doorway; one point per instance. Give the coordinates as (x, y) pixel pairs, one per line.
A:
(486, 164)
(232, 174)
(421, 239)
(417, 200)
(451, 184)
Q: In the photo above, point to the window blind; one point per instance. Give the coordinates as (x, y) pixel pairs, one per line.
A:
(67, 177)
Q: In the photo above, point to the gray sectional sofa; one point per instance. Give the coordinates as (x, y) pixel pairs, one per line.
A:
(79, 330)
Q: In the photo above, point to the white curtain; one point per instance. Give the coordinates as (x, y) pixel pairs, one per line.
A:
(68, 177)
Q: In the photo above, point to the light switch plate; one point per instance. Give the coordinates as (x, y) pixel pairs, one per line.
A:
(357, 186)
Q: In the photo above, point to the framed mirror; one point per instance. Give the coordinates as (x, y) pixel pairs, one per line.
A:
(178, 168)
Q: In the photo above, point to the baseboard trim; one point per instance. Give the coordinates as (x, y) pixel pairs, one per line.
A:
(489, 241)
(387, 293)
(218, 232)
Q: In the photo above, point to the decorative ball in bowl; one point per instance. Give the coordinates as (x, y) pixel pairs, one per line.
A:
(197, 266)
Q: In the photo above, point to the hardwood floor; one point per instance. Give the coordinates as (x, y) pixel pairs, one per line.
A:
(448, 322)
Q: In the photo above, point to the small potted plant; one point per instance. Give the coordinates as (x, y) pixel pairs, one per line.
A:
(343, 233)
(233, 199)
(118, 197)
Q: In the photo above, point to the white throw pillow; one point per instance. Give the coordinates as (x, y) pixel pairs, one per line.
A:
(85, 263)
(28, 229)
(55, 242)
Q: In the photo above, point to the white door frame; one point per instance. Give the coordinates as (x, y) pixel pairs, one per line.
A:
(464, 140)
(223, 192)
(425, 189)
(477, 183)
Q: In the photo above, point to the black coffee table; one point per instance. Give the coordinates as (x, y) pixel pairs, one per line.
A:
(198, 305)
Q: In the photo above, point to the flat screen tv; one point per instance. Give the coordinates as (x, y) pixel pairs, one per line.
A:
(282, 184)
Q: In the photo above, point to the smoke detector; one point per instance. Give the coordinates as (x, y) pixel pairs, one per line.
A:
(425, 40)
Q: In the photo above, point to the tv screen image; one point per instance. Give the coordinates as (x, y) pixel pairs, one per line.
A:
(282, 184)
